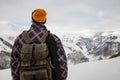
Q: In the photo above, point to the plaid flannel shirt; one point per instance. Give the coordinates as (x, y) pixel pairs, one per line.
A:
(35, 32)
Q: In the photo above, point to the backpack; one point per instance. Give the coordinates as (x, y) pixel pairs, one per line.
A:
(35, 62)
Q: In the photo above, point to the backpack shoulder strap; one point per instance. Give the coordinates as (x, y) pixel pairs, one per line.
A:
(43, 38)
(28, 40)
(26, 37)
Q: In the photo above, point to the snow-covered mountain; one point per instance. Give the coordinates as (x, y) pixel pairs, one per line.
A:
(79, 47)
(101, 45)
(8, 33)
(106, 44)
(76, 46)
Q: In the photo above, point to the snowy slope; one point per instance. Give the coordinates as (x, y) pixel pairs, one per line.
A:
(75, 42)
(99, 70)
(106, 44)
(8, 33)
(5, 74)
(100, 45)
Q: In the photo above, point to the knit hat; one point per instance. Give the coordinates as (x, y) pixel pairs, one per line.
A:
(39, 15)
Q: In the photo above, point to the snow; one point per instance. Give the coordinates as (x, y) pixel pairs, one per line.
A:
(98, 70)
(113, 33)
(9, 30)
(5, 74)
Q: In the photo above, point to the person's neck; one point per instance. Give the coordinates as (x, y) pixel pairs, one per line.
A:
(40, 24)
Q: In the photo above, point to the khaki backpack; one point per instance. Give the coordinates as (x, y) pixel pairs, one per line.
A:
(35, 62)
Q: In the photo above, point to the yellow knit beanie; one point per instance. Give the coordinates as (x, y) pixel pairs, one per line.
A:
(39, 15)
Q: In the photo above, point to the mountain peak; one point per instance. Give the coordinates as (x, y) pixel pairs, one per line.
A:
(8, 28)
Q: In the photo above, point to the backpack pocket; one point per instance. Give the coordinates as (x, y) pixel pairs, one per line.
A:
(38, 74)
(26, 54)
(41, 51)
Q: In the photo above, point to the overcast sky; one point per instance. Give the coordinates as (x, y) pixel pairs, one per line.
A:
(65, 15)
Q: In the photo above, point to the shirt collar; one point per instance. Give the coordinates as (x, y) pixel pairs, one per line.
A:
(38, 25)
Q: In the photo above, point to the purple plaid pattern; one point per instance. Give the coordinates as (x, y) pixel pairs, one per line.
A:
(35, 32)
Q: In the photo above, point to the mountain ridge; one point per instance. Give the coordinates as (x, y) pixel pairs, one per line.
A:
(98, 46)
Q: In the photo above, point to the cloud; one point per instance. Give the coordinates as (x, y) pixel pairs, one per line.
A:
(74, 15)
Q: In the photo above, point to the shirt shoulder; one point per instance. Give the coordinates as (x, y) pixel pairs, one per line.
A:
(56, 38)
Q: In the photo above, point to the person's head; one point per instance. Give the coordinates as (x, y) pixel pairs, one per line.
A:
(39, 16)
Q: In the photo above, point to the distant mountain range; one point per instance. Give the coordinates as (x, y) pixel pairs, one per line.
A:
(78, 47)
(101, 45)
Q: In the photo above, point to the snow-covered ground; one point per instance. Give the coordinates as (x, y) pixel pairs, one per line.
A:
(98, 70)
(5, 74)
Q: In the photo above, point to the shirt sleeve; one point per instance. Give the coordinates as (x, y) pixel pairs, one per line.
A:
(61, 59)
(14, 60)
